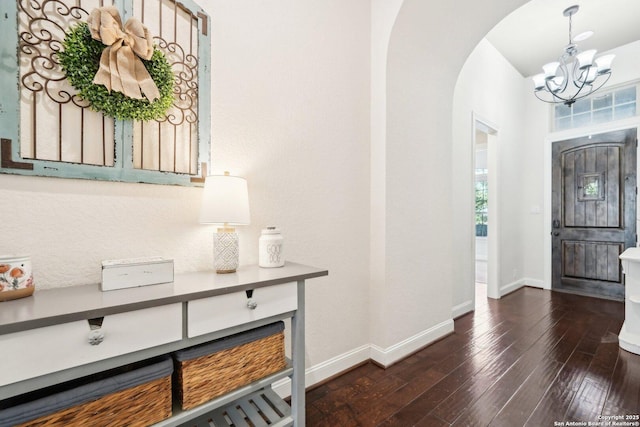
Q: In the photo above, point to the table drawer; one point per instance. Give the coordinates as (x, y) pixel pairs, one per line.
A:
(213, 314)
(41, 351)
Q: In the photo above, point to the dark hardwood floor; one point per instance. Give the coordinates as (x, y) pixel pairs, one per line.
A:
(533, 358)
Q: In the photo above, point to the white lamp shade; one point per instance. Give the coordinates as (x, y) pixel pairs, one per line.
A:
(538, 81)
(585, 59)
(604, 63)
(225, 200)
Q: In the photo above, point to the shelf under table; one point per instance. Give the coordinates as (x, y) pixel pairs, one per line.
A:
(261, 408)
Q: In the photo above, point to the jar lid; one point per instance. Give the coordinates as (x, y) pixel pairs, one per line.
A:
(271, 230)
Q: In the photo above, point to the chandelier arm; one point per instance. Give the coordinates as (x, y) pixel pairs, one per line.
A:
(552, 100)
(557, 99)
(565, 73)
(565, 82)
(608, 74)
(576, 79)
(554, 95)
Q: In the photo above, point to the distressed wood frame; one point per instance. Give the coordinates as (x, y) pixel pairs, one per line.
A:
(11, 161)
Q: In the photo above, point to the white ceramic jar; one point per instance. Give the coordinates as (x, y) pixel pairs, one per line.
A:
(271, 248)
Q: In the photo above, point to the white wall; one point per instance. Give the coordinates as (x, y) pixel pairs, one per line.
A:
(429, 44)
(490, 88)
(290, 112)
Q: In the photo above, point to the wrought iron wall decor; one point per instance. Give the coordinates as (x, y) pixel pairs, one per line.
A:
(46, 125)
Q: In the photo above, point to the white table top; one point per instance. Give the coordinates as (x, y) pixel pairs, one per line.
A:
(631, 254)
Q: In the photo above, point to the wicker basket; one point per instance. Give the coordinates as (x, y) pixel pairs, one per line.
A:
(213, 369)
(137, 397)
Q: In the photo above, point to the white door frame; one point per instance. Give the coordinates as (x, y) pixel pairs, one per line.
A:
(493, 185)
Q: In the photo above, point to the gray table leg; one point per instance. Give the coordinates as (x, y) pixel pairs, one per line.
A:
(298, 379)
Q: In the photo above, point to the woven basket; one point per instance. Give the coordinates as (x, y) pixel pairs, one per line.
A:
(139, 406)
(134, 396)
(206, 377)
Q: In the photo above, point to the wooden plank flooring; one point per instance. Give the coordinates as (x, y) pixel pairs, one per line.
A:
(533, 358)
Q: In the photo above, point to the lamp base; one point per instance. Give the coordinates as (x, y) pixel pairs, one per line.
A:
(225, 250)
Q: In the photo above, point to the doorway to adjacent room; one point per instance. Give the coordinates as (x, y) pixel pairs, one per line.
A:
(485, 214)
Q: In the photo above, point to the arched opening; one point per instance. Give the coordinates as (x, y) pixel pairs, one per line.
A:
(423, 145)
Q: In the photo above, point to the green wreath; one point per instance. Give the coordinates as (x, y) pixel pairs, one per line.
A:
(80, 60)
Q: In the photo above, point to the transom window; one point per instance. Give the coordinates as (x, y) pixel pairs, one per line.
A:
(600, 108)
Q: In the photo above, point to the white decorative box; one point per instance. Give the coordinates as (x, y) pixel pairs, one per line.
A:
(133, 272)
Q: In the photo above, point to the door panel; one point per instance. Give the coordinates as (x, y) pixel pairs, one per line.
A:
(596, 261)
(588, 200)
(593, 212)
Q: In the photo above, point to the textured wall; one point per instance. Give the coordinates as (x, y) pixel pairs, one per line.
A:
(70, 226)
(290, 112)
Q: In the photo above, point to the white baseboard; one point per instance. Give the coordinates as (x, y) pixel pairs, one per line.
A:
(526, 281)
(534, 283)
(461, 309)
(387, 356)
(510, 287)
(383, 357)
(327, 369)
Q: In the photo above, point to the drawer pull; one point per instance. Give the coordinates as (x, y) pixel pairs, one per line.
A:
(252, 304)
(96, 336)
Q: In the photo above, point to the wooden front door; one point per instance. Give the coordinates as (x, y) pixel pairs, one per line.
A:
(593, 212)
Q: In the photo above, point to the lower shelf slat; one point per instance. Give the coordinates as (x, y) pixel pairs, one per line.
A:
(263, 408)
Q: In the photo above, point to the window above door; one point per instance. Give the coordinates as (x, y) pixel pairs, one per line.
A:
(603, 107)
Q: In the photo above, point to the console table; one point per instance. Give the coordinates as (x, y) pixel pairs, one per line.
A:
(50, 329)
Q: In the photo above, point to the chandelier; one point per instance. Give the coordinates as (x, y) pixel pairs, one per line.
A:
(575, 75)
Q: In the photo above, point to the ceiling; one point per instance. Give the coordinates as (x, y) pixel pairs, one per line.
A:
(536, 33)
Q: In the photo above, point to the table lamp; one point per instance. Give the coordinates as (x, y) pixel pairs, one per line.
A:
(225, 201)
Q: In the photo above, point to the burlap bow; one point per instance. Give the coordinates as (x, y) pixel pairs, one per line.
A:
(120, 69)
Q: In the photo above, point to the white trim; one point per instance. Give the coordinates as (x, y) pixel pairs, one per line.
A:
(387, 356)
(521, 283)
(326, 369)
(461, 309)
(384, 357)
(535, 283)
(493, 247)
(510, 287)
